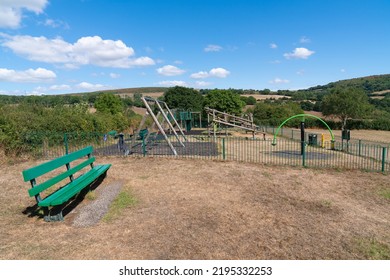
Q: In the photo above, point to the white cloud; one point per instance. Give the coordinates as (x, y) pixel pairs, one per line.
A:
(140, 61)
(173, 83)
(273, 46)
(219, 72)
(60, 87)
(86, 51)
(279, 81)
(55, 23)
(212, 48)
(114, 75)
(27, 76)
(202, 83)
(35, 92)
(342, 70)
(90, 87)
(215, 72)
(300, 72)
(299, 53)
(170, 70)
(11, 11)
(13, 92)
(200, 75)
(304, 40)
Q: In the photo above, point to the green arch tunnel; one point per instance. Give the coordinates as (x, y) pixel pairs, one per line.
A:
(302, 116)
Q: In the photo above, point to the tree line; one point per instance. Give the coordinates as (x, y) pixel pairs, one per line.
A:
(351, 106)
(20, 115)
(32, 120)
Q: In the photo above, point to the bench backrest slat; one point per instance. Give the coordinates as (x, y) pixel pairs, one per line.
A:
(47, 184)
(46, 167)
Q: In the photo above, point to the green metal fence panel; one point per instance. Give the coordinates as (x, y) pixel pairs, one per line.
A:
(356, 155)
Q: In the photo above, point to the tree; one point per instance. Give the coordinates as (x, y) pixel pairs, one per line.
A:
(224, 100)
(251, 100)
(184, 98)
(345, 104)
(273, 113)
(108, 103)
(137, 100)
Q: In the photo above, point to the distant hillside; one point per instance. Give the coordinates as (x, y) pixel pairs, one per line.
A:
(143, 90)
(376, 85)
(372, 85)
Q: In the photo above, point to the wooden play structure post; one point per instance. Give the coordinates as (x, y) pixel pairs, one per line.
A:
(157, 123)
(215, 117)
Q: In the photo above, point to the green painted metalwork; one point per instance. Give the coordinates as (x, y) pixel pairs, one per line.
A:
(303, 116)
(66, 144)
(383, 158)
(143, 147)
(362, 155)
(46, 167)
(60, 196)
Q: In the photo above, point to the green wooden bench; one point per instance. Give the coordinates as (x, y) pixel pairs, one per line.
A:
(53, 193)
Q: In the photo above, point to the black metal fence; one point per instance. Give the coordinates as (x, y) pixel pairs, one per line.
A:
(287, 151)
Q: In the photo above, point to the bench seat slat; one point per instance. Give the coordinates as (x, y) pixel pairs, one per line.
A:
(64, 194)
(47, 184)
(46, 167)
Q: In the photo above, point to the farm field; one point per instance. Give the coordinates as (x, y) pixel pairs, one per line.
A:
(196, 209)
(379, 136)
(266, 96)
(150, 94)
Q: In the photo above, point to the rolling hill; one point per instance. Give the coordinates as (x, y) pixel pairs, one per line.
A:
(372, 85)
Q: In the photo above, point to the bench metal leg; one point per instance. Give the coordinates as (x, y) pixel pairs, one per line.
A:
(53, 217)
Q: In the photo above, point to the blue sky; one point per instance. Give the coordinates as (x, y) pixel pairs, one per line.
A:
(61, 46)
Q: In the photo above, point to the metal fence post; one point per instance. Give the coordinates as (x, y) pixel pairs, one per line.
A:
(143, 147)
(66, 143)
(223, 149)
(383, 159)
(303, 154)
(360, 147)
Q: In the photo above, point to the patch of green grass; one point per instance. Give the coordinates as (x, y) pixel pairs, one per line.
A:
(373, 249)
(385, 193)
(267, 175)
(326, 203)
(338, 169)
(124, 200)
(91, 195)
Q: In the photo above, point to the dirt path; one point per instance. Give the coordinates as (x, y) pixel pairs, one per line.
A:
(193, 209)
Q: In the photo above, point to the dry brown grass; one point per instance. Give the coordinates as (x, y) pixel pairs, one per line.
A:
(139, 111)
(266, 96)
(380, 136)
(194, 209)
(150, 94)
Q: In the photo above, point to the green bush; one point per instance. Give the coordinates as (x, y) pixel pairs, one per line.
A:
(274, 113)
(23, 127)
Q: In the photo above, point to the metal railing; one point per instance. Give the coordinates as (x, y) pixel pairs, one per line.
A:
(356, 155)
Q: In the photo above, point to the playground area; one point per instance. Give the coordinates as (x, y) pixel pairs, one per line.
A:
(202, 209)
(235, 147)
(227, 137)
(212, 193)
